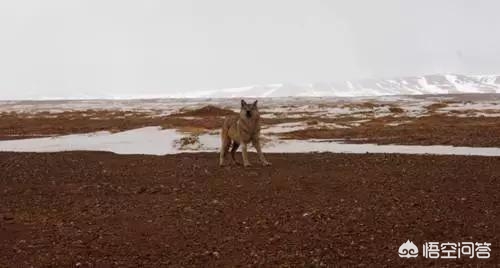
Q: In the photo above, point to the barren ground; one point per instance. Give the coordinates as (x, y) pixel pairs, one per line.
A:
(101, 210)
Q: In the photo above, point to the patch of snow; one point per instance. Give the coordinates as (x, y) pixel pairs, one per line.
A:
(393, 124)
(157, 141)
(430, 89)
(471, 106)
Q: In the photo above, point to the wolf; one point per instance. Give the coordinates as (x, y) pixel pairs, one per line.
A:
(240, 130)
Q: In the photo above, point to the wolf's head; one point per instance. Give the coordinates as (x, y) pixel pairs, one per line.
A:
(249, 111)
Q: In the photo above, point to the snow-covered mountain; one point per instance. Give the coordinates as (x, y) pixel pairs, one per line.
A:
(414, 85)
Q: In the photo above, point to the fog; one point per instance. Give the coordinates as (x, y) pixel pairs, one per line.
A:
(116, 48)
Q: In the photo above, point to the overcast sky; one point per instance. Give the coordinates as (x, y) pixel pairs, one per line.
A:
(66, 48)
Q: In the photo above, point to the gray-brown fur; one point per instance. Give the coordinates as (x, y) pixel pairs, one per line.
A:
(241, 130)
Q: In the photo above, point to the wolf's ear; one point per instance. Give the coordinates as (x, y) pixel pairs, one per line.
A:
(243, 103)
(255, 103)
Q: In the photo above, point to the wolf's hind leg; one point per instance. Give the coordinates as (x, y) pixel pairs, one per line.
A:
(225, 142)
(233, 151)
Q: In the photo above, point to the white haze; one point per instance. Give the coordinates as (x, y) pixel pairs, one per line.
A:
(114, 48)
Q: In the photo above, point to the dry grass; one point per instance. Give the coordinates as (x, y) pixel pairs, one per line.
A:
(208, 110)
(436, 106)
(435, 129)
(362, 105)
(312, 122)
(46, 124)
(396, 110)
(189, 141)
(192, 130)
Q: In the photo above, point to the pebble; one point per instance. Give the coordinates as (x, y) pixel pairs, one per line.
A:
(8, 217)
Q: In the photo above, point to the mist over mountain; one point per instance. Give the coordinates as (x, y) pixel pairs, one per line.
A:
(116, 49)
(410, 85)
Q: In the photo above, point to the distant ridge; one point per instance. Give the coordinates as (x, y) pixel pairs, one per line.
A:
(413, 85)
(410, 85)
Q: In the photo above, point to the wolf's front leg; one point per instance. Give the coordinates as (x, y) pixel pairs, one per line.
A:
(256, 144)
(223, 150)
(244, 153)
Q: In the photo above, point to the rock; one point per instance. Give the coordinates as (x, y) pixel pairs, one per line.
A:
(155, 191)
(141, 190)
(8, 217)
(188, 209)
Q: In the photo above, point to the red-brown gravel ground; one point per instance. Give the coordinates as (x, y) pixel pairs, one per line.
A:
(94, 209)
